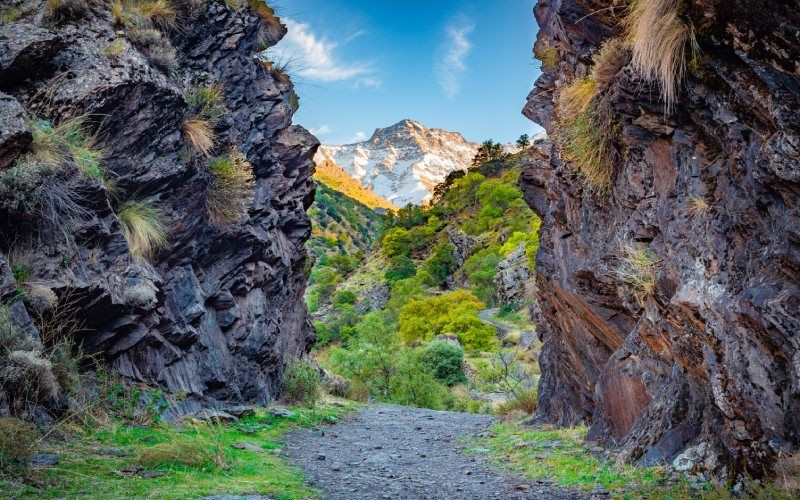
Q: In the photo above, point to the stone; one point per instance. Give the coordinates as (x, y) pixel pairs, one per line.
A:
(248, 447)
(279, 412)
(43, 460)
(513, 277)
(15, 136)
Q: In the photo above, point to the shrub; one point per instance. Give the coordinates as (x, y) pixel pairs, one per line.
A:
(441, 263)
(396, 241)
(415, 385)
(658, 38)
(231, 189)
(454, 313)
(301, 383)
(338, 386)
(637, 267)
(400, 267)
(17, 439)
(344, 297)
(28, 377)
(445, 361)
(141, 225)
(199, 132)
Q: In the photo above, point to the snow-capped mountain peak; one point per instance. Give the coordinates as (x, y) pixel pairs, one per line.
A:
(403, 162)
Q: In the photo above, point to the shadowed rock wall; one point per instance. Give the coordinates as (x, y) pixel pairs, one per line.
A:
(707, 365)
(218, 313)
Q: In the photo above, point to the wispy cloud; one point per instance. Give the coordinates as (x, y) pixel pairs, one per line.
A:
(315, 58)
(452, 55)
(321, 130)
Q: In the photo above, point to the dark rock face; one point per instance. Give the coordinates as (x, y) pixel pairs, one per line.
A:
(218, 313)
(706, 367)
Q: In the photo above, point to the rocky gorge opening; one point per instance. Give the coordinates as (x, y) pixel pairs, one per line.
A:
(198, 299)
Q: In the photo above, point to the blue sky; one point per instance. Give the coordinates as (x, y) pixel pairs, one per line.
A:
(458, 65)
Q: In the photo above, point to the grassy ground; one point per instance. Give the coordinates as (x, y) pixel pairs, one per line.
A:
(195, 459)
(562, 457)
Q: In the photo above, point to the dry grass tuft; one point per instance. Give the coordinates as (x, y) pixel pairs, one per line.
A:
(658, 38)
(65, 10)
(198, 131)
(787, 470)
(586, 131)
(141, 225)
(158, 13)
(525, 402)
(70, 139)
(17, 439)
(697, 207)
(638, 267)
(231, 190)
(118, 12)
(155, 48)
(608, 61)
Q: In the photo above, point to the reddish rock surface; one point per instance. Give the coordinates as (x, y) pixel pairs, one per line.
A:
(708, 362)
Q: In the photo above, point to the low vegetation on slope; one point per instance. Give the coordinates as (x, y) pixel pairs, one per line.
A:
(404, 326)
(337, 179)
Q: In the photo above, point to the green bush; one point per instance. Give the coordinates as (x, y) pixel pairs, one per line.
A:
(397, 241)
(400, 267)
(415, 385)
(301, 383)
(344, 297)
(445, 361)
(17, 439)
(441, 263)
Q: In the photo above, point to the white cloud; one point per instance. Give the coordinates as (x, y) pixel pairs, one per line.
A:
(452, 55)
(321, 130)
(357, 138)
(315, 58)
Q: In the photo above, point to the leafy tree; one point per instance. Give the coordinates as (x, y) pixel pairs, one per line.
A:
(445, 361)
(524, 141)
(342, 263)
(441, 263)
(396, 241)
(454, 312)
(400, 267)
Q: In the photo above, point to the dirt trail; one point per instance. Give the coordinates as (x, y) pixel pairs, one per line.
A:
(388, 451)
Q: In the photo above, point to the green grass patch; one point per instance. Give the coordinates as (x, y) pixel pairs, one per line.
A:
(563, 457)
(196, 460)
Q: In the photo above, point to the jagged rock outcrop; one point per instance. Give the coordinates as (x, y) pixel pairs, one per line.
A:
(216, 314)
(513, 277)
(703, 362)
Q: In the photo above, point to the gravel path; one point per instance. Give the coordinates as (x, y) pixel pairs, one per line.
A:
(388, 451)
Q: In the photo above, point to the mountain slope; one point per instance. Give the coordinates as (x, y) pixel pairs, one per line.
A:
(404, 162)
(335, 178)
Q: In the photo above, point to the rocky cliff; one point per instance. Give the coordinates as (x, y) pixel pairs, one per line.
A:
(669, 264)
(153, 187)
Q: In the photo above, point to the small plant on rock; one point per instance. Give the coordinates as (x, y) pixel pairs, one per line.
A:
(155, 48)
(301, 383)
(637, 267)
(608, 61)
(160, 14)
(205, 103)
(547, 55)
(65, 10)
(231, 189)
(697, 207)
(142, 227)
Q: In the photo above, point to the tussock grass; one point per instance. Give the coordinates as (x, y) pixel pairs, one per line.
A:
(658, 39)
(17, 440)
(787, 471)
(68, 140)
(195, 451)
(231, 190)
(118, 12)
(524, 402)
(141, 225)
(608, 61)
(199, 132)
(697, 207)
(160, 14)
(114, 49)
(279, 70)
(586, 132)
(637, 267)
(155, 48)
(65, 10)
